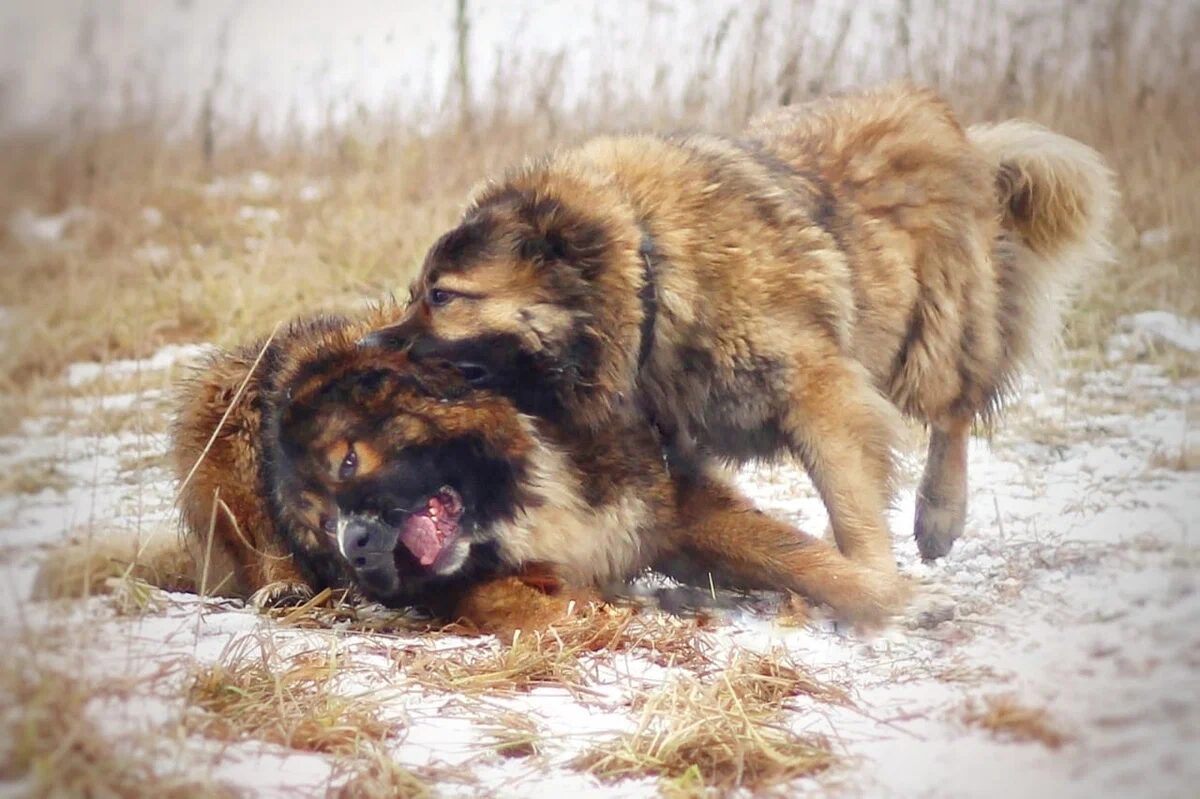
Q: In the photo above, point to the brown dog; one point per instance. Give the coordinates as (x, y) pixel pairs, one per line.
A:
(796, 292)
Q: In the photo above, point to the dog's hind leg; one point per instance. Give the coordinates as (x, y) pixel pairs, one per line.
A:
(721, 534)
(942, 497)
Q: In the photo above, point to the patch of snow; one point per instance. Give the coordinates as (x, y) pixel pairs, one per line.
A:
(31, 228)
(311, 192)
(156, 255)
(256, 184)
(1074, 589)
(1154, 238)
(78, 374)
(1139, 333)
(259, 215)
(261, 184)
(152, 217)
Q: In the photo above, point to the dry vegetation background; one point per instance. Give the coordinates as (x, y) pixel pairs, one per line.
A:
(217, 230)
(204, 268)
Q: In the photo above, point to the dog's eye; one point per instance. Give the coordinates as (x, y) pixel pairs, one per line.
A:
(349, 465)
(440, 297)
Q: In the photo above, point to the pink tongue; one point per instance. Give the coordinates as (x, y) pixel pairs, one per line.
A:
(420, 535)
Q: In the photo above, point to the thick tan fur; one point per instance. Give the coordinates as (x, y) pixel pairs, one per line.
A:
(853, 260)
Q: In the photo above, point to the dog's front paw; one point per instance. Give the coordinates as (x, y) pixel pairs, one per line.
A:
(929, 609)
(281, 594)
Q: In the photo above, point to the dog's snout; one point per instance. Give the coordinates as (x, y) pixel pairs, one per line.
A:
(366, 545)
(390, 338)
(362, 541)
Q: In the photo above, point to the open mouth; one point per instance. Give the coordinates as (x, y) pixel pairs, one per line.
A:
(429, 532)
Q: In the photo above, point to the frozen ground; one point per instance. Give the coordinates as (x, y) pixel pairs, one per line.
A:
(1073, 592)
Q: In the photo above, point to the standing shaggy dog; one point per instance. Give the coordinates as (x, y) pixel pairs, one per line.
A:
(852, 260)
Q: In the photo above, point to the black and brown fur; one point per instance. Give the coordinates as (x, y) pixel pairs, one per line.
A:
(850, 262)
(555, 517)
(233, 541)
(378, 437)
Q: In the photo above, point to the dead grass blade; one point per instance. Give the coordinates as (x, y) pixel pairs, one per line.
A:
(513, 734)
(1006, 718)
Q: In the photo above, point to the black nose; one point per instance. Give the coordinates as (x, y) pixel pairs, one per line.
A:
(366, 543)
(367, 547)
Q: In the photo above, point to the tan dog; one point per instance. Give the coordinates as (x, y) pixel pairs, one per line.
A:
(796, 292)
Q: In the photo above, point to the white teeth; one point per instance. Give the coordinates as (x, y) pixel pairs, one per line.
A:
(341, 535)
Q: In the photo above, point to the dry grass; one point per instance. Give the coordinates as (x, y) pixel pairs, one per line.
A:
(1006, 718)
(330, 608)
(209, 263)
(1186, 458)
(32, 477)
(724, 732)
(50, 745)
(528, 663)
(375, 775)
(558, 656)
(292, 702)
(513, 734)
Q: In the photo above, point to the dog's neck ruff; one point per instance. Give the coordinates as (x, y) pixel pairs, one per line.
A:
(648, 294)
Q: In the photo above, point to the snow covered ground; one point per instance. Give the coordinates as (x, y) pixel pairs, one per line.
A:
(1073, 593)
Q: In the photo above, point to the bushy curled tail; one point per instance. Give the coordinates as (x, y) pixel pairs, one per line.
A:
(1055, 192)
(1056, 201)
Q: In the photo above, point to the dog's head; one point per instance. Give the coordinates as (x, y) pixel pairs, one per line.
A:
(533, 295)
(405, 473)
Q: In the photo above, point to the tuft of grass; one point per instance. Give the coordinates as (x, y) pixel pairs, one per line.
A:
(129, 595)
(529, 662)
(338, 608)
(723, 733)
(292, 703)
(1006, 718)
(556, 656)
(51, 747)
(33, 477)
(513, 734)
(374, 775)
(1185, 459)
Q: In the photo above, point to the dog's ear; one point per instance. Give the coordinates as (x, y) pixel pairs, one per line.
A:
(470, 240)
(556, 234)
